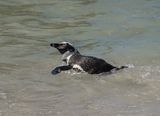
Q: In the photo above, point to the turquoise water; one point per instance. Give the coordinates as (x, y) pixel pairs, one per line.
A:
(123, 32)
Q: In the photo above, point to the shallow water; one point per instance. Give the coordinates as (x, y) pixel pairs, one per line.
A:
(122, 32)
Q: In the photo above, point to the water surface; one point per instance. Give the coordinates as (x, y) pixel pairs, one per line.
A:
(123, 32)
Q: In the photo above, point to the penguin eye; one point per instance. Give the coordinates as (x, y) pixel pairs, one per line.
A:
(62, 46)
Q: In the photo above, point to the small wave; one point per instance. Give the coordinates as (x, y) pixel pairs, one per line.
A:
(130, 65)
(145, 73)
(3, 95)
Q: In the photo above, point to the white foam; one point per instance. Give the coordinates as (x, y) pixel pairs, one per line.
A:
(130, 66)
(146, 75)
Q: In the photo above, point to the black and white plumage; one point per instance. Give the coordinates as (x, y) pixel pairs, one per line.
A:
(72, 59)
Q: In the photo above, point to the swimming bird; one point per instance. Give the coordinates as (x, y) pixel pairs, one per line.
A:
(72, 59)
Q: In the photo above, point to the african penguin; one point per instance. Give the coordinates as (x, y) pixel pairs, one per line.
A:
(72, 59)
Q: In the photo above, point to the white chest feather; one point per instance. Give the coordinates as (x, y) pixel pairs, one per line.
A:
(68, 58)
(78, 68)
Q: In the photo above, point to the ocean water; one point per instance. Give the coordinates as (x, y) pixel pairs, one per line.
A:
(123, 32)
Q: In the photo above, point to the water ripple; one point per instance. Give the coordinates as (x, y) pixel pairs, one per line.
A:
(87, 2)
(36, 23)
(18, 10)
